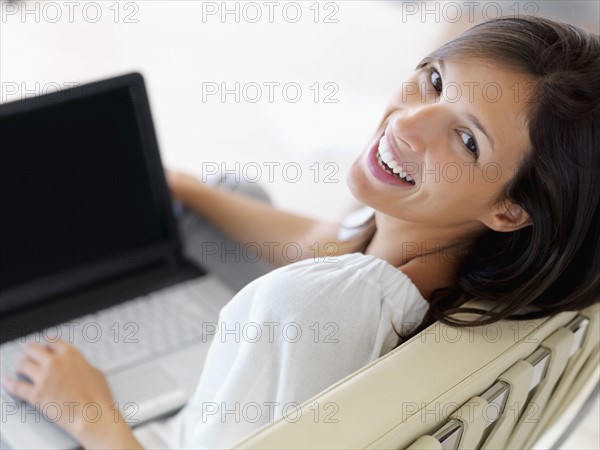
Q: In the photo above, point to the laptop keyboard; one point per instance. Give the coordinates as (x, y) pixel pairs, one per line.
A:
(129, 333)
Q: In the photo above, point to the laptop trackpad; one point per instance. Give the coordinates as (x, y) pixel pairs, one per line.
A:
(145, 392)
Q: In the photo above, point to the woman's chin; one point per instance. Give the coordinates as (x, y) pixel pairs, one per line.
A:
(356, 181)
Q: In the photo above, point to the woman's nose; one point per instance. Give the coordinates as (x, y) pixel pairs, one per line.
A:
(407, 131)
(417, 125)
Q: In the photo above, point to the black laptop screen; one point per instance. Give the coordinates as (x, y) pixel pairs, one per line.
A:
(74, 188)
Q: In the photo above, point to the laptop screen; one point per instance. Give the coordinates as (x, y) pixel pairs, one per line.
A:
(75, 190)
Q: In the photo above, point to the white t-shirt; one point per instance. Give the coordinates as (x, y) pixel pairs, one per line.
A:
(287, 336)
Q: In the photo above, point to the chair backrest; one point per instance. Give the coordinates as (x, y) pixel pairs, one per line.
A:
(488, 387)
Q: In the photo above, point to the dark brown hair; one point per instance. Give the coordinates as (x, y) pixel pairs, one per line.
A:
(552, 265)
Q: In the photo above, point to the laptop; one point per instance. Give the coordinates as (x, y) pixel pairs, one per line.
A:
(90, 252)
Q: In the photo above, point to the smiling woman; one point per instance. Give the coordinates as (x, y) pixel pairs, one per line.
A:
(529, 107)
(517, 236)
(442, 161)
(484, 178)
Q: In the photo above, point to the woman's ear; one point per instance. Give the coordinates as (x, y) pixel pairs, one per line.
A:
(506, 217)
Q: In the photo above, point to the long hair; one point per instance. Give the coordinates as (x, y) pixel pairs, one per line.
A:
(554, 264)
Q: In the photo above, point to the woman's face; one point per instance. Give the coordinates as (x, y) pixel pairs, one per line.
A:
(458, 129)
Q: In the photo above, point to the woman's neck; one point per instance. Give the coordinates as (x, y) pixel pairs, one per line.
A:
(430, 258)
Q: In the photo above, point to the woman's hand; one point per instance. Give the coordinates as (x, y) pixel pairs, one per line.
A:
(180, 184)
(77, 394)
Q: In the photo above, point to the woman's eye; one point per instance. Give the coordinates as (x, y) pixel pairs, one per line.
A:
(469, 142)
(436, 80)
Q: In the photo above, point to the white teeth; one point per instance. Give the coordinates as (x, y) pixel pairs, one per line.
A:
(399, 171)
(387, 158)
(386, 154)
(383, 145)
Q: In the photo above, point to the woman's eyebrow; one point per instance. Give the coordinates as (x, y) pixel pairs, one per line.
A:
(475, 121)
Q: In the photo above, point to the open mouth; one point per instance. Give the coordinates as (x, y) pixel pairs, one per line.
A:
(389, 164)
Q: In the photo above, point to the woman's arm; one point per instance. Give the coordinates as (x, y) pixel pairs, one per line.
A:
(248, 220)
(108, 434)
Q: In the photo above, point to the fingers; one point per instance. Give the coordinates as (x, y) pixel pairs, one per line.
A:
(59, 346)
(30, 369)
(38, 353)
(34, 365)
(170, 176)
(41, 357)
(20, 389)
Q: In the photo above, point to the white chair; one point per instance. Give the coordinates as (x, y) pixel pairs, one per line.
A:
(505, 385)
